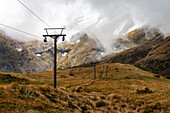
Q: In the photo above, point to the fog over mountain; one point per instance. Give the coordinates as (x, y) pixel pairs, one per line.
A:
(104, 19)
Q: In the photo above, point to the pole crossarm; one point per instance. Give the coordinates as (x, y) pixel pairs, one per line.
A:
(54, 35)
(52, 28)
(47, 29)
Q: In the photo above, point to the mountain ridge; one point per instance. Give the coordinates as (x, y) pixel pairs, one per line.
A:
(143, 56)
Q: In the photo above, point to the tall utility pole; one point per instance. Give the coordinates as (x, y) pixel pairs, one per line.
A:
(54, 36)
(94, 64)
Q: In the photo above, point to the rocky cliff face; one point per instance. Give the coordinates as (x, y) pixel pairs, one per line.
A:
(14, 57)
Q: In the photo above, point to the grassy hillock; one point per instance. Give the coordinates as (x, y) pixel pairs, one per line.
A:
(122, 88)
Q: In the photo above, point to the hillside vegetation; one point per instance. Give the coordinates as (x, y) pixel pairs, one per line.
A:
(122, 88)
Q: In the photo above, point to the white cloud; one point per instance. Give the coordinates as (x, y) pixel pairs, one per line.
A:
(103, 16)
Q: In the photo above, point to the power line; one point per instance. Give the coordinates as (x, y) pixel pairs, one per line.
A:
(33, 13)
(20, 30)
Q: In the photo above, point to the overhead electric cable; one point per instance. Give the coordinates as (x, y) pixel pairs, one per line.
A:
(33, 13)
(20, 30)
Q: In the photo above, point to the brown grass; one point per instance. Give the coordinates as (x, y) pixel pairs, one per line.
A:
(75, 94)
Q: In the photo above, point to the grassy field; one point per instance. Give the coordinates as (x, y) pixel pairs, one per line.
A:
(122, 88)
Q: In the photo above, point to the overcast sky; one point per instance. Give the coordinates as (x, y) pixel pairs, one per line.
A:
(104, 18)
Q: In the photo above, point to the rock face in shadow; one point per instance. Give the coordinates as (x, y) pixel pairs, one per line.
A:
(14, 57)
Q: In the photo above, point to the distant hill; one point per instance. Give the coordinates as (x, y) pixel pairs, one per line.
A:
(153, 55)
(134, 38)
(158, 59)
(83, 49)
(14, 57)
(80, 50)
(130, 56)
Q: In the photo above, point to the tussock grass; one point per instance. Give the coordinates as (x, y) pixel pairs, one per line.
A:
(101, 103)
(77, 94)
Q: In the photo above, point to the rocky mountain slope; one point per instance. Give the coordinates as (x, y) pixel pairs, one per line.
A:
(83, 49)
(158, 59)
(80, 50)
(136, 53)
(153, 55)
(134, 38)
(14, 57)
